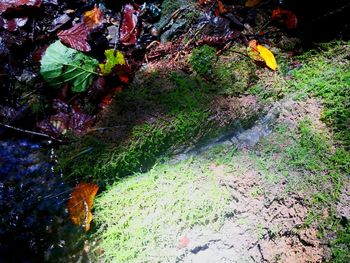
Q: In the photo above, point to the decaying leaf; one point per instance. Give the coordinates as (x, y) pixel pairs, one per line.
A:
(76, 37)
(252, 3)
(93, 17)
(129, 30)
(113, 58)
(80, 204)
(62, 65)
(260, 53)
(11, 4)
(285, 17)
(66, 119)
(14, 23)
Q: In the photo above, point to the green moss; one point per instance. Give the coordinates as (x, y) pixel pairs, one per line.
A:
(202, 60)
(143, 217)
(234, 74)
(326, 75)
(185, 121)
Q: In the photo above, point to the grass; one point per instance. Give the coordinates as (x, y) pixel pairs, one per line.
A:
(143, 218)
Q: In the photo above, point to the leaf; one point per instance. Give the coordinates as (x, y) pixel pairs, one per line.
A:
(65, 65)
(113, 58)
(260, 53)
(10, 4)
(129, 30)
(93, 17)
(285, 17)
(66, 119)
(252, 3)
(14, 23)
(267, 56)
(80, 204)
(76, 37)
(253, 52)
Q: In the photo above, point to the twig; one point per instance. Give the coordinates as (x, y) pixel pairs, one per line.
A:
(30, 132)
(224, 48)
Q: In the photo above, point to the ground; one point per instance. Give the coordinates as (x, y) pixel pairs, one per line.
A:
(273, 190)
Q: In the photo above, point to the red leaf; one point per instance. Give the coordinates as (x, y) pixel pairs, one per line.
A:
(11, 4)
(80, 203)
(285, 17)
(129, 30)
(76, 37)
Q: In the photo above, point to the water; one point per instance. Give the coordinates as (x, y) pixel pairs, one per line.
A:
(34, 224)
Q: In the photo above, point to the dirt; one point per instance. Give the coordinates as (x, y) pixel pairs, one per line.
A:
(266, 222)
(261, 228)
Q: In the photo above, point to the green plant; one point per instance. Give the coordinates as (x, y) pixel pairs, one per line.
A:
(62, 65)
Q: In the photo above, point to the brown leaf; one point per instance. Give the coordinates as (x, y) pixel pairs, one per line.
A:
(76, 37)
(93, 17)
(12, 4)
(252, 3)
(80, 204)
(285, 17)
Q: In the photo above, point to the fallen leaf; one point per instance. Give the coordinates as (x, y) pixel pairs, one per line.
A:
(285, 17)
(184, 242)
(14, 23)
(221, 7)
(76, 37)
(113, 58)
(80, 204)
(66, 119)
(129, 30)
(93, 17)
(62, 65)
(252, 3)
(267, 56)
(260, 53)
(11, 4)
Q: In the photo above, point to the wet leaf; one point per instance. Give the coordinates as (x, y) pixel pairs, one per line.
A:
(285, 17)
(113, 58)
(11, 4)
(80, 204)
(260, 53)
(14, 23)
(76, 37)
(129, 30)
(252, 3)
(221, 8)
(62, 65)
(74, 121)
(93, 17)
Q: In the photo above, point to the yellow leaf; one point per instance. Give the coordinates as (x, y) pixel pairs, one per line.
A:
(267, 56)
(252, 3)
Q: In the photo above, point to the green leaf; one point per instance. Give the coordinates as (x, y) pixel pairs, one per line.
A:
(113, 58)
(61, 64)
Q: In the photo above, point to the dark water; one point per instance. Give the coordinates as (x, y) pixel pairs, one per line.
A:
(34, 225)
